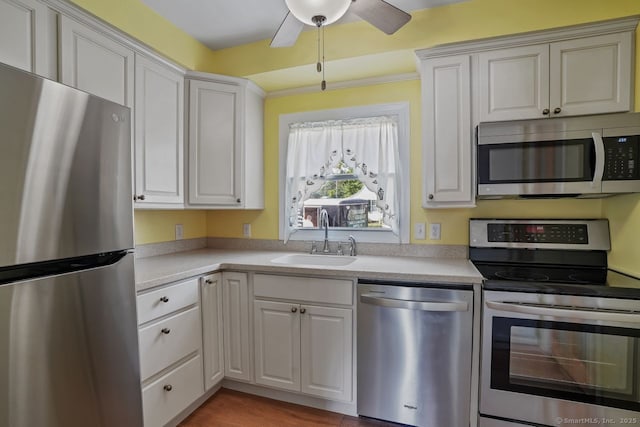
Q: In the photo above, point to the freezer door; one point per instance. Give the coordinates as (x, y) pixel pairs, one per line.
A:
(65, 171)
(69, 350)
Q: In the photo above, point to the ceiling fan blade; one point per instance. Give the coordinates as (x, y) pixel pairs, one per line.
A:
(288, 32)
(380, 14)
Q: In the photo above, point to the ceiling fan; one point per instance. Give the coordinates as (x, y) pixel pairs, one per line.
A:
(320, 13)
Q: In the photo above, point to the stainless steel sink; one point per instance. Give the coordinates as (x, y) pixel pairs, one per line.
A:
(308, 259)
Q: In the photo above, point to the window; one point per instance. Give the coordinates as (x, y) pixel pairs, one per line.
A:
(355, 168)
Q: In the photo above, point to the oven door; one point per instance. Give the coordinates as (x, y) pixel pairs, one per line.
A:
(569, 163)
(553, 359)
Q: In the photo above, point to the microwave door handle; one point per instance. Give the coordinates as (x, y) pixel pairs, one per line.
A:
(580, 313)
(600, 157)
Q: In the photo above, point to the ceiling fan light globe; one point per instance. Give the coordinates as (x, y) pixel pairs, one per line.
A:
(305, 10)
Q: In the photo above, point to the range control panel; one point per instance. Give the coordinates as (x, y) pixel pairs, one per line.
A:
(575, 234)
(621, 158)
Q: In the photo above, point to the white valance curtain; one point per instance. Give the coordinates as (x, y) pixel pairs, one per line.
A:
(368, 146)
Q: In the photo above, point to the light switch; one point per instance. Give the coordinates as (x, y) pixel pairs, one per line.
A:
(179, 232)
(246, 230)
(419, 231)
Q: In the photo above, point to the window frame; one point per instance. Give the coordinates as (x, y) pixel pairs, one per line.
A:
(399, 110)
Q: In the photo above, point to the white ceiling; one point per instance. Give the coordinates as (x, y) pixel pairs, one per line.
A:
(226, 23)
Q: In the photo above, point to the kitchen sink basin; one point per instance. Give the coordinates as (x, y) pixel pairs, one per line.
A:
(309, 259)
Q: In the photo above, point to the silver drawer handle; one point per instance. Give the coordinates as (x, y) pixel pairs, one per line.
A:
(168, 387)
(581, 313)
(415, 305)
(164, 299)
(165, 331)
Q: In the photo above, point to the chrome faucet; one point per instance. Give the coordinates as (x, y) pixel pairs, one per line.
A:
(324, 222)
(352, 246)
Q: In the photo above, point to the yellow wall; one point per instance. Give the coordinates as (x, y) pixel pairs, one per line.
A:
(624, 222)
(472, 19)
(159, 226)
(454, 221)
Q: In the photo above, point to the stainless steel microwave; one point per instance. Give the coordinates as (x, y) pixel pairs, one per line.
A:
(586, 156)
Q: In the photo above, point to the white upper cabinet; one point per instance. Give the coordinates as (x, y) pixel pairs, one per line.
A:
(447, 131)
(588, 75)
(591, 75)
(225, 159)
(95, 63)
(514, 83)
(159, 130)
(25, 32)
(584, 69)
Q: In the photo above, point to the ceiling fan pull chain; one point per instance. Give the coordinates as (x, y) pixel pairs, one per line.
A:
(323, 85)
(319, 65)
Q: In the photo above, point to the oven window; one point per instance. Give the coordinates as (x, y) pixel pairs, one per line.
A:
(546, 161)
(585, 363)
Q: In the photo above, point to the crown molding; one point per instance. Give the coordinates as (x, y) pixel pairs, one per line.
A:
(534, 37)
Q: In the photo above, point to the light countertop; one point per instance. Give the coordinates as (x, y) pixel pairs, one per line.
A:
(158, 270)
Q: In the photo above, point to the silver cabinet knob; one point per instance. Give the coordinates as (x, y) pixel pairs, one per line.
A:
(166, 331)
(168, 387)
(303, 310)
(430, 196)
(238, 200)
(557, 110)
(545, 111)
(294, 309)
(164, 299)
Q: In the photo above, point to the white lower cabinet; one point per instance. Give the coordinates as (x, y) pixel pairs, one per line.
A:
(170, 394)
(170, 341)
(211, 292)
(237, 340)
(303, 347)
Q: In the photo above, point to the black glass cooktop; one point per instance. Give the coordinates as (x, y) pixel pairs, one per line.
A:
(616, 285)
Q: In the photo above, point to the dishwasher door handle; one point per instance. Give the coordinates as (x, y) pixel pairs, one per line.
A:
(414, 305)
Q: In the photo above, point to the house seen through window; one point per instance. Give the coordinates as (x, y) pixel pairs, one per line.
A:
(350, 168)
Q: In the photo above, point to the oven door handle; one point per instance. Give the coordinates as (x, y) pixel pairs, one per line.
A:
(598, 171)
(580, 313)
(414, 305)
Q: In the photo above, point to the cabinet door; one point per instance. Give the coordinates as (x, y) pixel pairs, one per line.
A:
(94, 63)
(237, 356)
(214, 143)
(158, 134)
(326, 351)
(514, 83)
(447, 150)
(211, 292)
(24, 29)
(591, 75)
(277, 344)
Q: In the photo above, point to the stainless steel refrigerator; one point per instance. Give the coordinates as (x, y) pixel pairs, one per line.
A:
(68, 334)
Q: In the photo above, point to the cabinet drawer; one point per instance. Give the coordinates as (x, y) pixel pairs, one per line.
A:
(167, 341)
(185, 386)
(330, 291)
(163, 301)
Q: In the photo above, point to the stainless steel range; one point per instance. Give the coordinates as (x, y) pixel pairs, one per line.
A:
(560, 332)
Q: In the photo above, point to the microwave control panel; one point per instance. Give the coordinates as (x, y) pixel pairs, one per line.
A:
(621, 158)
(538, 233)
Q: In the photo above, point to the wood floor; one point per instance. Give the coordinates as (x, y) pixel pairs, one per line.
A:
(228, 408)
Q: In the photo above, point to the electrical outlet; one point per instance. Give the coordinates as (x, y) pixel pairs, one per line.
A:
(434, 231)
(246, 230)
(419, 231)
(179, 232)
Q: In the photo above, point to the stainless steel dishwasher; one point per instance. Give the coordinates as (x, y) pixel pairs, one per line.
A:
(414, 353)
